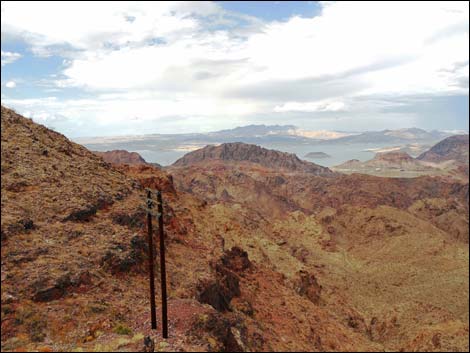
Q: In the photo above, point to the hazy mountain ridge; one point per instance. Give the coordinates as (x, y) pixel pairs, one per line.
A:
(394, 136)
(287, 131)
(253, 131)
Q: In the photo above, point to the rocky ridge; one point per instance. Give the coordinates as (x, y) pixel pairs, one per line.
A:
(452, 148)
(241, 152)
(121, 157)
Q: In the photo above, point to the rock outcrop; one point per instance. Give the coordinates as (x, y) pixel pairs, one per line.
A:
(121, 157)
(226, 285)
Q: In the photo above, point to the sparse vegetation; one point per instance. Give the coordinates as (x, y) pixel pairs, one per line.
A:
(122, 329)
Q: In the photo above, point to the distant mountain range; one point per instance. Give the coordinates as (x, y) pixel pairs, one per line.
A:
(251, 133)
(254, 131)
(165, 149)
(395, 136)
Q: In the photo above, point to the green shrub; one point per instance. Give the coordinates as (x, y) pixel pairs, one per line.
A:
(122, 330)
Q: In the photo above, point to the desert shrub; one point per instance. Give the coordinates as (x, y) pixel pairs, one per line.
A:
(122, 329)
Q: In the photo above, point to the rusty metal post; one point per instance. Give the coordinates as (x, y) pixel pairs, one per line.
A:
(162, 265)
(153, 314)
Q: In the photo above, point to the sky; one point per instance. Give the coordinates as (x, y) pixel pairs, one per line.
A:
(123, 68)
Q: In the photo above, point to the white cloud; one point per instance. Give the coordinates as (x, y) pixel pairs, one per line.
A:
(9, 57)
(10, 84)
(333, 62)
(322, 106)
(347, 38)
(97, 25)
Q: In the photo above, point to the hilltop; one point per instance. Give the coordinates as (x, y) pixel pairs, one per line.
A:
(121, 157)
(452, 148)
(242, 152)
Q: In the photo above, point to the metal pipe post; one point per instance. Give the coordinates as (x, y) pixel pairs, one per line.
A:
(153, 315)
(162, 265)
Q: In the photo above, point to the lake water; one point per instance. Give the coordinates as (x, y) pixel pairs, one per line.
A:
(338, 153)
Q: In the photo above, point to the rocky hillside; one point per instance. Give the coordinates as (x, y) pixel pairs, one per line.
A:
(74, 252)
(40, 164)
(74, 262)
(358, 235)
(241, 152)
(272, 194)
(121, 157)
(258, 259)
(452, 148)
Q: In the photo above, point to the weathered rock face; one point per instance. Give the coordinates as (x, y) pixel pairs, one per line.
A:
(254, 154)
(219, 292)
(122, 259)
(46, 290)
(452, 148)
(223, 332)
(236, 259)
(135, 220)
(121, 157)
(215, 294)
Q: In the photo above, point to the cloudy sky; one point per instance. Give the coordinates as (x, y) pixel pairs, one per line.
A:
(95, 69)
